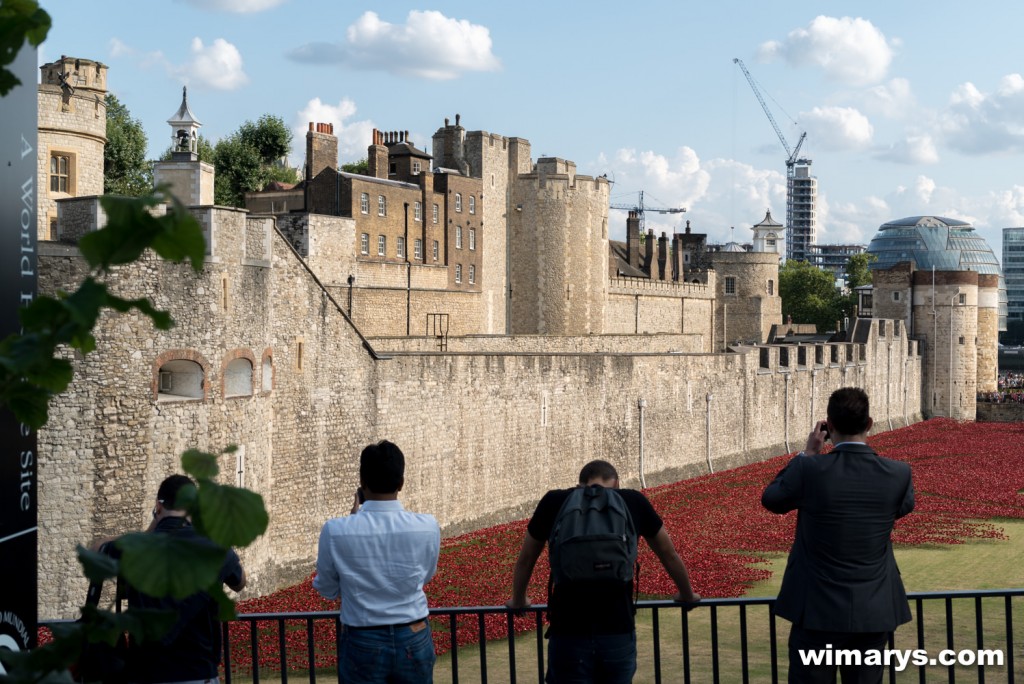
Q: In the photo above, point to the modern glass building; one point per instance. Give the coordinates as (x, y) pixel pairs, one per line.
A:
(1013, 272)
(942, 243)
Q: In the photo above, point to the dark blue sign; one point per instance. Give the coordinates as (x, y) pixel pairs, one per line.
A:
(18, 261)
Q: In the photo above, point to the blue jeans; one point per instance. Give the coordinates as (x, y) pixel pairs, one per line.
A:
(597, 659)
(389, 655)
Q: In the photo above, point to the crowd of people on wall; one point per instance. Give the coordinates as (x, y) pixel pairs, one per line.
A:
(1011, 388)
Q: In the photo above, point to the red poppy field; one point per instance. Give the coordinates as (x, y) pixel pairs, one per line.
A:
(967, 476)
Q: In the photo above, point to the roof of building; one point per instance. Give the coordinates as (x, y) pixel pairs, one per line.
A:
(768, 221)
(932, 242)
(733, 247)
(184, 115)
(406, 149)
(618, 254)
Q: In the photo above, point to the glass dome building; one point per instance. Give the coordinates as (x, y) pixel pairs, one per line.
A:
(937, 242)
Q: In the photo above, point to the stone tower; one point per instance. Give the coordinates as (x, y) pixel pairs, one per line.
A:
(190, 180)
(72, 134)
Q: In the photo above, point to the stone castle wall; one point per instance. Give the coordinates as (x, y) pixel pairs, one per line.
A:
(470, 422)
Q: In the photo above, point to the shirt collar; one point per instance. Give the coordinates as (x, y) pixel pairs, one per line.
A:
(393, 505)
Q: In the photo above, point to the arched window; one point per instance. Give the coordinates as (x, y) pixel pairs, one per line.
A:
(238, 378)
(180, 379)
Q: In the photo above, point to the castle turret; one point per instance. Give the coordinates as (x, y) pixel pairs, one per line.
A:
(72, 134)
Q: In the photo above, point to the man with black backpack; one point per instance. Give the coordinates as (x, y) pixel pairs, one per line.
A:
(592, 532)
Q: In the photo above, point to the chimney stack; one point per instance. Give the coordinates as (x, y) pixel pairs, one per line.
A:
(633, 239)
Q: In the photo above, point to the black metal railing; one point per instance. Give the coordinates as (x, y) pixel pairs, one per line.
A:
(721, 640)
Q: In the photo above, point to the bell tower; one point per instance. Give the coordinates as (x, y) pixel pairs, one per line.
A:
(190, 179)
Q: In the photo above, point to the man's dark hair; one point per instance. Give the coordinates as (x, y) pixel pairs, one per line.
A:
(169, 490)
(599, 470)
(382, 467)
(849, 411)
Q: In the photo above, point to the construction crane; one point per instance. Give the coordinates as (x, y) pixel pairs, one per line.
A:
(640, 208)
(801, 196)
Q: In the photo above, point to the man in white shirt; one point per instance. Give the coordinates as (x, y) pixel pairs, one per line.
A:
(377, 560)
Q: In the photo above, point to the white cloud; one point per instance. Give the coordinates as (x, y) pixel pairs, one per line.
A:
(217, 66)
(913, 149)
(837, 128)
(118, 48)
(236, 6)
(851, 51)
(428, 45)
(353, 136)
(717, 194)
(893, 99)
(976, 122)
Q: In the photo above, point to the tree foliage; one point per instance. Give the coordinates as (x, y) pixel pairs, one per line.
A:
(125, 169)
(250, 158)
(809, 295)
(858, 273)
(362, 167)
(20, 20)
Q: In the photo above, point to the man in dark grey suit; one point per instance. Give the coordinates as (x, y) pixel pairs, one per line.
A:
(842, 589)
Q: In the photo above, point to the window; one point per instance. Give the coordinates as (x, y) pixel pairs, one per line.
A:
(392, 168)
(472, 239)
(730, 285)
(895, 296)
(382, 245)
(417, 249)
(472, 273)
(771, 287)
(436, 250)
(435, 213)
(364, 243)
(268, 373)
(60, 173)
(771, 242)
(238, 378)
(472, 204)
(458, 201)
(415, 166)
(382, 205)
(417, 212)
(963, 298)
(458, 273)
(961, 339)
(364, 203)
(180, 379)
(400, 247)
(458, 237)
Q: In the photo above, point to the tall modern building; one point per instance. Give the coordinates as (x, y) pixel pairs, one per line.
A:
(1013, 272)
(801, 212)
(833, 258)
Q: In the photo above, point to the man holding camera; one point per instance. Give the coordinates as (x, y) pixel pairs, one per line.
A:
(841, 588)
(377, 560)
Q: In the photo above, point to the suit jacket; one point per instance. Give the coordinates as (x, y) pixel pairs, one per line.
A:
(841, 575)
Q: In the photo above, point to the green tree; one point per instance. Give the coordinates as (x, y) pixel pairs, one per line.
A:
(20, 20)
(858, 273)
(362, 167)
(250, 158)
(809, 295)
(125, 169)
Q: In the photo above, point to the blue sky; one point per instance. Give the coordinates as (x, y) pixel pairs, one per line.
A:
(910, 107)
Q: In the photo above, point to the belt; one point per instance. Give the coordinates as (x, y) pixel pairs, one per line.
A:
(401, 624)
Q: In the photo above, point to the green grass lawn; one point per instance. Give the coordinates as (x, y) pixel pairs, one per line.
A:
(978, 564)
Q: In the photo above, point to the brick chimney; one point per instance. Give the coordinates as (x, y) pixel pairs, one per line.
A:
(650, 266)
(321, 149)
(377, 156)
(633, 239)
(662, 258)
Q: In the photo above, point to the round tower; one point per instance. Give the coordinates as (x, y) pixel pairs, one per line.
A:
(72, 134)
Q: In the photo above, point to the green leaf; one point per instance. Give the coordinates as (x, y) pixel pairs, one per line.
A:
(96, 566)
(199, 464)
(166, 565)
(28, 403)
(231, 516)
(225, 606)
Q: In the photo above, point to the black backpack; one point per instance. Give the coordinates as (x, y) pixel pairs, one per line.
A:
(593, 538)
